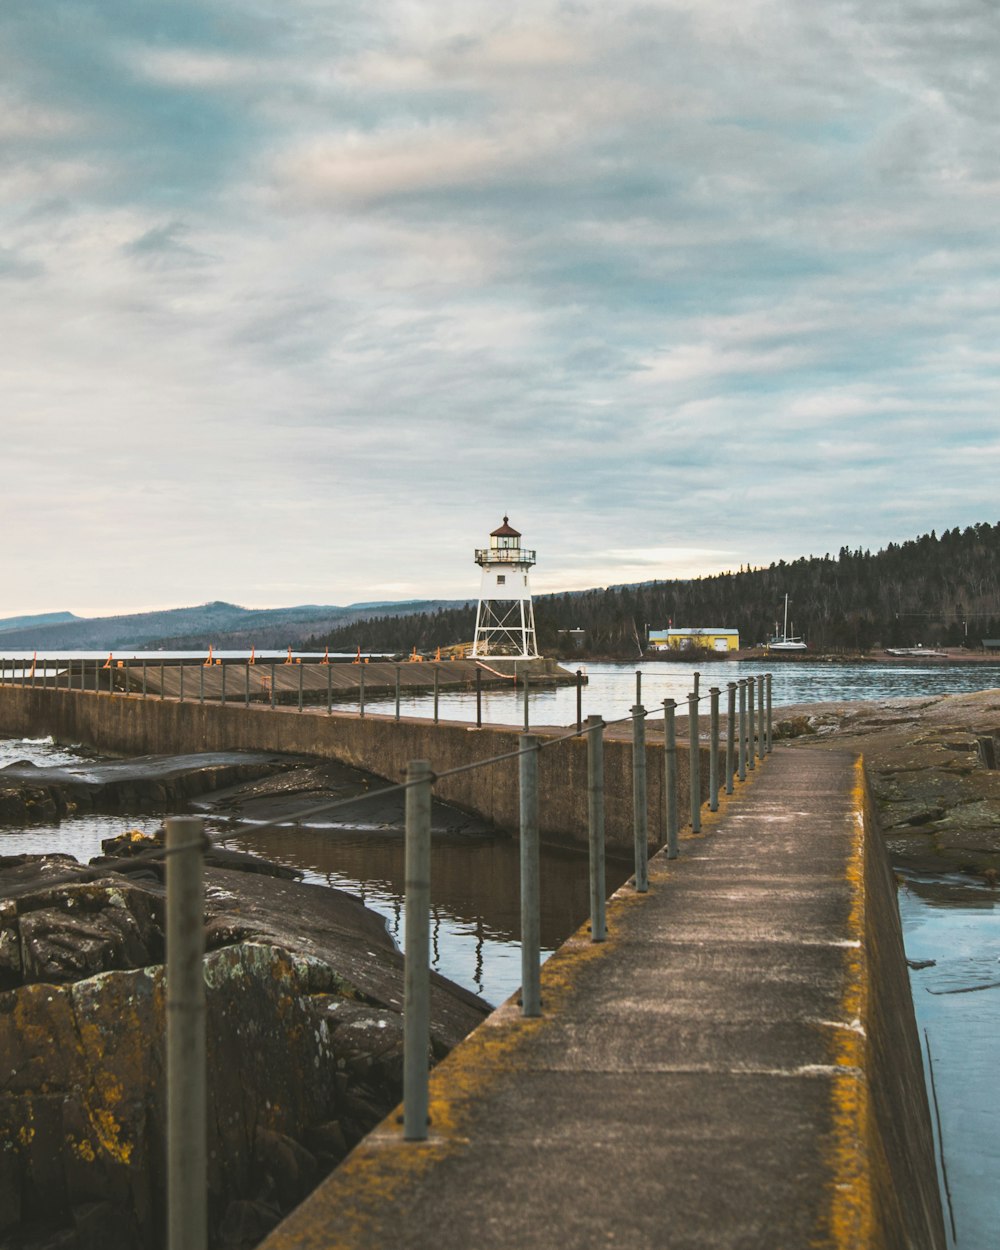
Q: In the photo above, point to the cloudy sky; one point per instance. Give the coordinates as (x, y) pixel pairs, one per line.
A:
(300, 296)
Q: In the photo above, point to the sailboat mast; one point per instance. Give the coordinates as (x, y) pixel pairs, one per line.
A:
(784, 632)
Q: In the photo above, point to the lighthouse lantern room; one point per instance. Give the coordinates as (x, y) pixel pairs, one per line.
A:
(505, 619)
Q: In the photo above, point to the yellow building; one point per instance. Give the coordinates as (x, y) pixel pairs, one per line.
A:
(685, 639)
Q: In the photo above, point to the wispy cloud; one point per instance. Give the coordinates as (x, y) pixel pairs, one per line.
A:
(299, 299)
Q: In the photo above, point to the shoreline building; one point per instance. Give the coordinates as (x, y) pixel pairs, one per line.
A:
(505, 618)
(687, 639)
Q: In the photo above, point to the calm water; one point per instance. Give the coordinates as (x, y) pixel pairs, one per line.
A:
(956, 923)
(611, 688)
(475, 892)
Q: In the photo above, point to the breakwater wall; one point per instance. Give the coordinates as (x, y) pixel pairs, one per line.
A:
(739, 1056)
(131, 725)
(899, 1143)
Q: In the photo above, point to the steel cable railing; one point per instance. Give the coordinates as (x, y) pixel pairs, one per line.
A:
(747, 738)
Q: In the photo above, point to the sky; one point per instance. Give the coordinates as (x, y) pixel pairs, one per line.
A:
(301, 297)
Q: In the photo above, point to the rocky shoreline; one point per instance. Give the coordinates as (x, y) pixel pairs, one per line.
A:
(932, 763)
(304, 1010)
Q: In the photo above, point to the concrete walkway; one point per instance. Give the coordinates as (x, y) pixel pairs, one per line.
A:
(699, 1080)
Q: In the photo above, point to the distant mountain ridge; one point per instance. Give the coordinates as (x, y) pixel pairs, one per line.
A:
(42, 618)
(210, 624)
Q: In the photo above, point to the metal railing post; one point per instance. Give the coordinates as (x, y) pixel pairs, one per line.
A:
(697, 683)
(187, 1223)
(479, 697)
(761, 744)
(302, 677)
(247, 683)
(713, 758)
(329, 690)
(416, 1007)
(770, 727)
(531, 1004)
(274, 684)
(526, 688)
(730, 736)
(361, 693)
(750, 724)
(595, 825)
(694, 763)
(741, 771)
(128, 688)
(437, 691)
(638, 687)
(640, 812)
(397, 691)
(670, 775)
(579, 700)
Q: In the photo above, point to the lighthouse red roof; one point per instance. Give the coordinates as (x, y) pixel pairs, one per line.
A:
(505, 531)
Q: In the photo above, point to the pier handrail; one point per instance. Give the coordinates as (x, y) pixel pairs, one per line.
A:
(186, 1185)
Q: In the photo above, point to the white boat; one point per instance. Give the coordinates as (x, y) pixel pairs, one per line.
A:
(918, 652)
(785, 641)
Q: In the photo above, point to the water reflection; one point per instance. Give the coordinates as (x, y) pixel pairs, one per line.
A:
(611, 688)
(953, 926)
(475, 893)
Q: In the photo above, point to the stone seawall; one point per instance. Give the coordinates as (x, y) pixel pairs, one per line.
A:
(122, 725)
(907, 1206)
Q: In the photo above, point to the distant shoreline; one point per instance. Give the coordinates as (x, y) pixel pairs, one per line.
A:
(947, 656)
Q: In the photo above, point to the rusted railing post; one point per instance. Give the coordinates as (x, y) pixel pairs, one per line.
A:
(531, 1003)
(713, 758)
(579, 700)
(770, 727)
(694, 762)
(187, 1225)
(416, 1006)
(751, 737)
(761, 743)
(670, 775)
(595, 825)
(730, 736)
(640, 815)
(741, 771)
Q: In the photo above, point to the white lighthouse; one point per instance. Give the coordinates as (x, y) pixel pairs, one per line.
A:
(505, 620)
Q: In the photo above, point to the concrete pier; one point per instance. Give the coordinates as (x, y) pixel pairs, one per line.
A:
(115, 724)
(736, 1066)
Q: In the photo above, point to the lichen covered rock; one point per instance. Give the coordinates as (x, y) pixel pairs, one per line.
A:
(304, 1044)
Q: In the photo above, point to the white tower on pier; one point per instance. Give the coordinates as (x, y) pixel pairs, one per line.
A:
(505, 620)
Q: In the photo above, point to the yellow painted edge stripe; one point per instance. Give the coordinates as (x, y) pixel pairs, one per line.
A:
(851, 1210)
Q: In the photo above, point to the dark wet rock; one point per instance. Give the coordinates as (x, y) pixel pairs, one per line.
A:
(793, 727)
(246, 1222)
(303, 1031)
(293, 795)
(931, 764)
(30, 794)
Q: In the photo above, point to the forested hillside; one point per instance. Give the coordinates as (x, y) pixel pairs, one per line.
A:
(934, 590)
